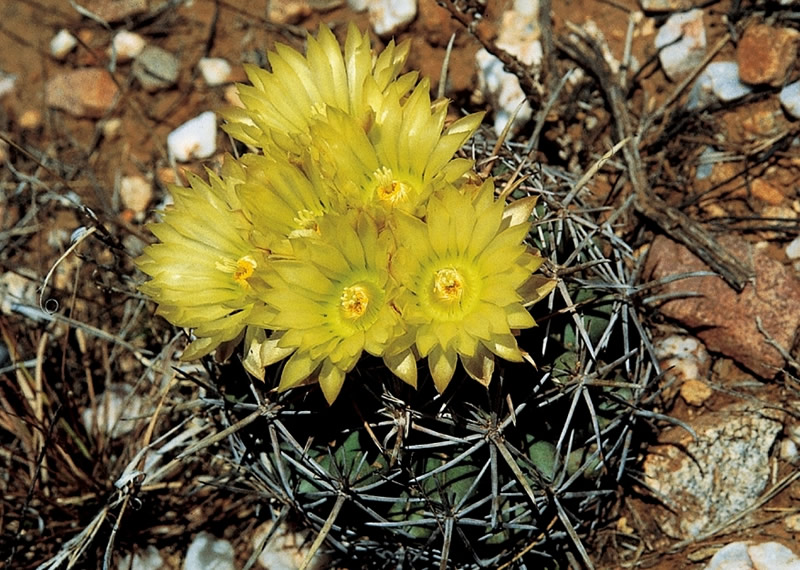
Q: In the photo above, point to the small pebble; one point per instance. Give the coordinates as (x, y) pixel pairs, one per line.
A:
(765, 54)
(388, 17)
(793, 249)
(155, 68)
(135, 193)
(788, 451)
(766, 192)
(358, 5)
(111, 128)
(7, 83)
(682, 43)
(30, 119)
(720, 81)
(62, 43)
(86, 92)
(792, 523)
(208, 553)
(790, 99)
(665, 5)
(695, 392)
(196, 138)
(288, 11)
(127, 45)
(215, 70)
(149, 559)
(231, 96)
(744, 556)
(119, 410)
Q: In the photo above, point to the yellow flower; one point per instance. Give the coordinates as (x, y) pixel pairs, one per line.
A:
(204, 271)
(464, 269)
(283, 201)
(282, 103)
(401, 159)
(331, 303)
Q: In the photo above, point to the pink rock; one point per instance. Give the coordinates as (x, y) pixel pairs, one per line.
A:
(87, 92)
(723, 319)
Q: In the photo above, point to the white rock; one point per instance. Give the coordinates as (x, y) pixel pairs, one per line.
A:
(731, 557)
(792, 523)
(209, 553)
(135, 193)
(7, 83)
(773, 556)
(119, 410)
(788, 451)
(790, 99)
(16, 289)
(196, 138)
(720, 81)
(127, 45)
(793, 249)
(62, 43)
(215, 70)
(149, 559)
(682, 41)
(519, 36)
(358, 5)
(388, 17)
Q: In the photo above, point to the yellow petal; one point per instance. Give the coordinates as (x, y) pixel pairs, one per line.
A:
(442, 365)
(331, 379)
(404, 366)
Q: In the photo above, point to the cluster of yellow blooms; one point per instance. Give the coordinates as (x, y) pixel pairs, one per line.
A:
(353, 229)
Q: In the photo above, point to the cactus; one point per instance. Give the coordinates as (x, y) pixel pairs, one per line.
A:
(345, 256)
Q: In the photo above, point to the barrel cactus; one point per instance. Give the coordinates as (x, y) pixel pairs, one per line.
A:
(352, 245)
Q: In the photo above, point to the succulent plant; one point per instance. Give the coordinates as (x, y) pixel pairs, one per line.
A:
(357, 244)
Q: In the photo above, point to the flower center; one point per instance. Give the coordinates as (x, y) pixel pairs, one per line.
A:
(306, 223)
(354, 302)
(389, 189)
(448, 285)
(245, 267)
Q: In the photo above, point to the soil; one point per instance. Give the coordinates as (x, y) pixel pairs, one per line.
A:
(66, 170)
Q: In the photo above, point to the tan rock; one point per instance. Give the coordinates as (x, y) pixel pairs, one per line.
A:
(765, 54)
(766, 192)
(87, 92)
(115, 10)
(695, 392)
(725, 320)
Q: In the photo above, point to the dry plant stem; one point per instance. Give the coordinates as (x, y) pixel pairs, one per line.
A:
(672, 221)
(315, 546)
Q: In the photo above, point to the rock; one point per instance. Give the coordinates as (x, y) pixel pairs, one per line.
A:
(665, 5)
(208, 553)
(285, 549)
(135, 193)
(196, 138)
(388, 17)
(149, 559)
(62, 43)
(30, 119)
(788, 450)
(519, 35)
(766, 192)
(215, 70)
(790, 99)
(155, 68)
(358, 5)
(87, 92)
(113, 11)
(719, 81)
(8, 82)
(682, 43)
(792, 523)
(766, 54)
(288, 11)
(683, 359)
(119, 410)
(726, 320)
(127, 45)
(695, 392)
(746, 556)
(706, 481)
(793, 249)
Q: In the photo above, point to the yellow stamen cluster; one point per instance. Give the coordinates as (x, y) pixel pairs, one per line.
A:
(353, 228)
